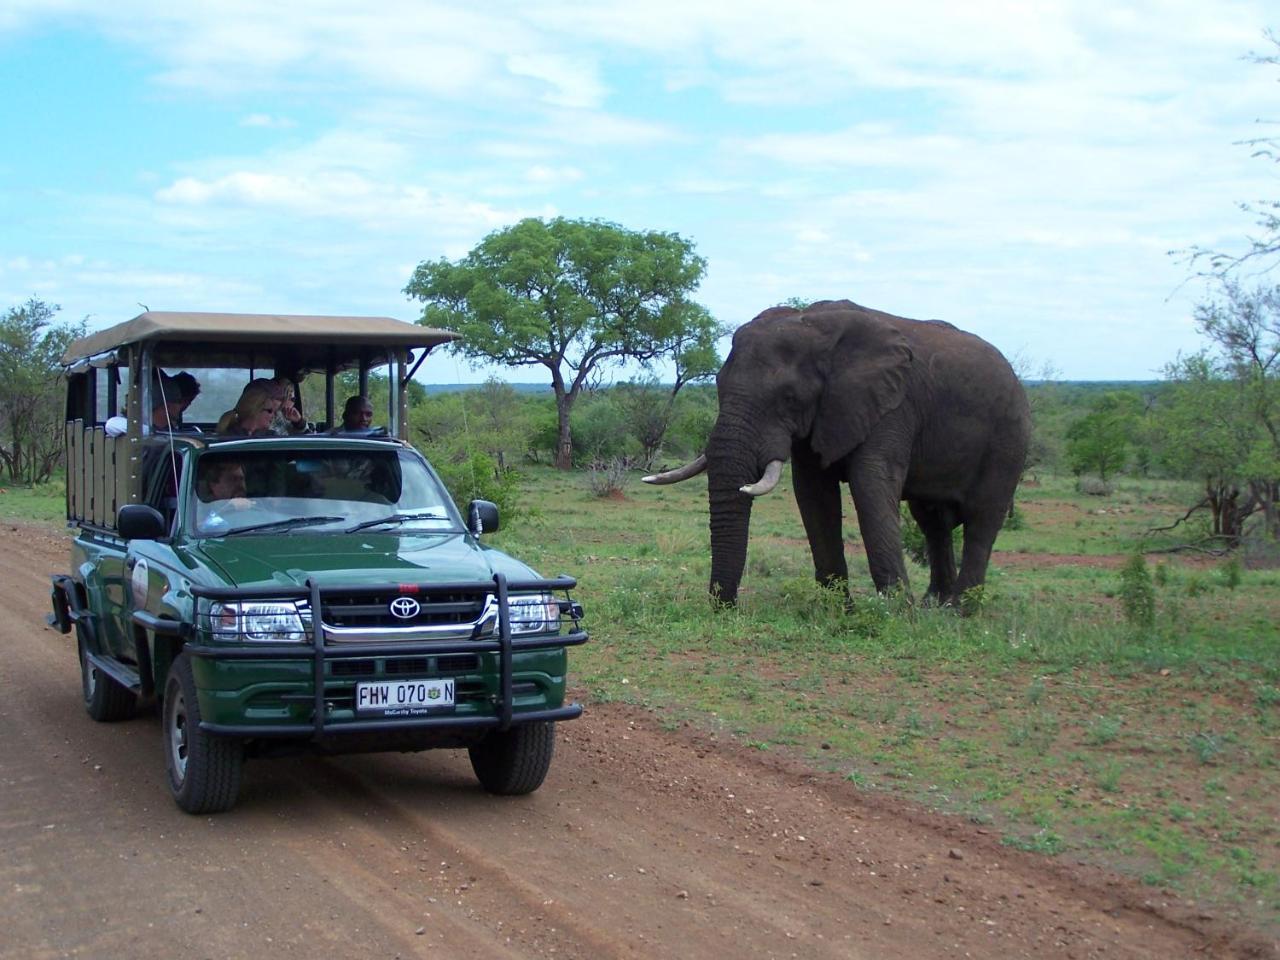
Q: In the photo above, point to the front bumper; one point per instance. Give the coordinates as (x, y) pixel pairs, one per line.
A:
(305, 691)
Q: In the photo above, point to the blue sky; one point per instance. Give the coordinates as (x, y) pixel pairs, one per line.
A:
(1021, 170)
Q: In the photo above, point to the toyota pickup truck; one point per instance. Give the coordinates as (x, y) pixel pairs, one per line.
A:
(305, 589)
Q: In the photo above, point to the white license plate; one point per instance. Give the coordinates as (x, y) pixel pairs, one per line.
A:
(403, 698)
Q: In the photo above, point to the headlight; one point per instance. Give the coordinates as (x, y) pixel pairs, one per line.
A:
(270, 621)
(539, 613)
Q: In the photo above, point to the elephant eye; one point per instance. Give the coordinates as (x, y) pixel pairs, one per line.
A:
(788, 395)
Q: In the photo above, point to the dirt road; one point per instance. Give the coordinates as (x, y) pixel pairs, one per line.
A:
(643, 842)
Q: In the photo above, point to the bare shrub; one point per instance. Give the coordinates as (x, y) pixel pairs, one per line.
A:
(1094, 487)
(609, 478)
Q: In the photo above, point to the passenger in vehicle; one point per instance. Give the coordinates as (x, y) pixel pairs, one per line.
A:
(252, 415)
(188, 388)
(357, 414)
(170, 397)
(289, 419)
(166, 402)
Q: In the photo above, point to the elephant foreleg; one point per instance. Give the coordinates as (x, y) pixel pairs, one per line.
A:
(876, 494)
(937, 520)
(818, 497)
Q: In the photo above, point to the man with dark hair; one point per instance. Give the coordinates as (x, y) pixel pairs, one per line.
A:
(166, 402)
(187, 388)
(357, 414)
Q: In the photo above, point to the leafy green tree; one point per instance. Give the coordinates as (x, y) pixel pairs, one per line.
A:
(1221, 418)
(647, 409)
(694, 418)
(31, 394)
(1099, 441)
(573, 296)
(650, 407)
(601, 424)
(499, 421)
(437, 417)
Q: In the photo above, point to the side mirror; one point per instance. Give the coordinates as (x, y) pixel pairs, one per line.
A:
(482, 516)
(137, 521)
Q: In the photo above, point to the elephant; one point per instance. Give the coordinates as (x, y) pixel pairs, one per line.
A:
(914, 410)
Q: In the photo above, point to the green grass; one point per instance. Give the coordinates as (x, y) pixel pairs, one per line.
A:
(1148, 747)
(43, 502)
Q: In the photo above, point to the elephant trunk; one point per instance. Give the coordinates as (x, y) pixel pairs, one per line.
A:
(734, 476)
(730, 525)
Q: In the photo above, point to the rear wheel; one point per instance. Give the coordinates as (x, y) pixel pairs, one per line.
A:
(204, 769)
(106, 700)
(515, 761)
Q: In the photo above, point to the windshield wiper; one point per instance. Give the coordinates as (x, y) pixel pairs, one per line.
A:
(287, 524)
(396, 518)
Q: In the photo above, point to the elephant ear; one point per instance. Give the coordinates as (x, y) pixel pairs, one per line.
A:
(867, 369)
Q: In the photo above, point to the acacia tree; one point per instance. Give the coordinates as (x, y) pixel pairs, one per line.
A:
(574, 296)
(31, 403)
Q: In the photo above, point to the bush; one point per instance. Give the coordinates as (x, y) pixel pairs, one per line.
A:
(476, 477)
(1138, 593)
(609, 479)
(1232, 572)
(913, 541)
(1093, 487)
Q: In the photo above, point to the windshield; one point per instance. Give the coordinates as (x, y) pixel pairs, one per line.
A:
(281, 490)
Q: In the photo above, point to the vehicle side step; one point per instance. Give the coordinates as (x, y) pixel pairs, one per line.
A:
(125, 674)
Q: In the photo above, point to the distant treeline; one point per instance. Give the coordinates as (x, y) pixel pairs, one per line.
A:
(643, 424)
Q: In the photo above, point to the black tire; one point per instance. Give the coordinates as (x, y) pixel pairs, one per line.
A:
(204, 769)
(515, 761)
(106, 700)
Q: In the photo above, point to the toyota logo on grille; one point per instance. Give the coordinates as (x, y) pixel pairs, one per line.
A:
(405, 608)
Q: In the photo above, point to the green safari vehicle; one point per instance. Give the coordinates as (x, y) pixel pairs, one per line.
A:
(307, 589)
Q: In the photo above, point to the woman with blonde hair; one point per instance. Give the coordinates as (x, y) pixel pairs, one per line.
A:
(254, 411)
(289, 420)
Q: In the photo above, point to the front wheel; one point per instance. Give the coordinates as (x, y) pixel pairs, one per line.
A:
(106, 700)
(204, 770)
(514, 762)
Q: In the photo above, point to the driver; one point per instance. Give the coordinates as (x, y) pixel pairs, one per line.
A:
(223, 482)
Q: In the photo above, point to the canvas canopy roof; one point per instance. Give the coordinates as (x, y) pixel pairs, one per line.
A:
(301, 336)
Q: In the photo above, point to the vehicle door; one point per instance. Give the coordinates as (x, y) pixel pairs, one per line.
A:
(148, 564)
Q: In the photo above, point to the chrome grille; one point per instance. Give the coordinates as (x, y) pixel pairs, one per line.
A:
(368, 618)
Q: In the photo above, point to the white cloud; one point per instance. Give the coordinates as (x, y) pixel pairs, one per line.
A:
(572, 82)
(552, 176)
(338, 195)
(268, 121)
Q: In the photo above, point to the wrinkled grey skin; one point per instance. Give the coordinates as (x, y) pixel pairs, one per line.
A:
(898, 409)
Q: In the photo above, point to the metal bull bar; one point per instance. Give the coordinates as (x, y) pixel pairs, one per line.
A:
(320, 654)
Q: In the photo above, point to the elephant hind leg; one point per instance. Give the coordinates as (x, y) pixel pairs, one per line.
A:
(937, 521)
(979, 537)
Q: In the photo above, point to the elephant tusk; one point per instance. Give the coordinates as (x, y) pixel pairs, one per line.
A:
(772, 474)
(691, 469)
